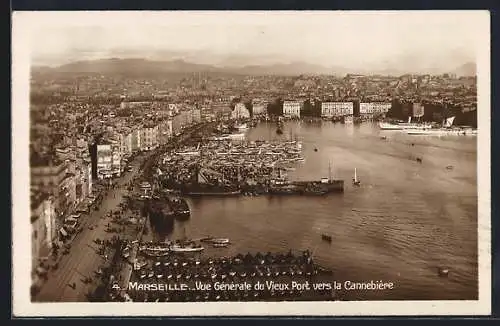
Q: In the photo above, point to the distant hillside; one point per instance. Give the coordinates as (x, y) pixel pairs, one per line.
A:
(467, 69)
(145, 67)
(133, 66)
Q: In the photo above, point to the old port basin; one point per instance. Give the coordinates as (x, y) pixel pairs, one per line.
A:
(222, 209)
(142, 260)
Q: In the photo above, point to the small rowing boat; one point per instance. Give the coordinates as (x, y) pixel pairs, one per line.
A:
(327, 238)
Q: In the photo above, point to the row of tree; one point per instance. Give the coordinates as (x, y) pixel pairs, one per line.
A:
(309, 109)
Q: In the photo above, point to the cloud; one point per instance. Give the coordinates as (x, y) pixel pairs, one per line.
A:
(327, 38)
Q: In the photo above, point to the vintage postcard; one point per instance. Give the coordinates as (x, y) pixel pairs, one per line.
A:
(251, 163)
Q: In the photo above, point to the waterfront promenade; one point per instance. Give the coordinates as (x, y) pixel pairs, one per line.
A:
(83, 260)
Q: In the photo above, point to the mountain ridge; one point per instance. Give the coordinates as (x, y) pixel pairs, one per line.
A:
(137, 66)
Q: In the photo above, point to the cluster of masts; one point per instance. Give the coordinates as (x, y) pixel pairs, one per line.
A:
(355, 179)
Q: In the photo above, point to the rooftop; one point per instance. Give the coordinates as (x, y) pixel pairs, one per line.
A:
(104, 142)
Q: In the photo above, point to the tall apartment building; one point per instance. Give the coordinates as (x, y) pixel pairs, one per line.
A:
(291, 109)
(84, 164)
(258, 109)
(43, 224)
(240, 112)
(196, 115)
(54, 178)
(418, 110)
(135, 141)
(173, 108)
(104, 160)
(336, 109)
(374, 108)
(149, 137)
(125, 137)
(133, 104)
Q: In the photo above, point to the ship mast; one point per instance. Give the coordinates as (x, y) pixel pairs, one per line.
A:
(184, 237)
(330, 170)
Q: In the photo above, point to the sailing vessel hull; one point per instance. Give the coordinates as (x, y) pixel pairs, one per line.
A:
(441, 132)
(389, 126)
(403, 126)
(309, 188)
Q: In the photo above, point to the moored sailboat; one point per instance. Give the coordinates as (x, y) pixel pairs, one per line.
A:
(241, 126)
(186, 248)
(215, 240)
(355, 180)
(279, 125)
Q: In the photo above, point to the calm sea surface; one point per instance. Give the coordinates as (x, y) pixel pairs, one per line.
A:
(404, 222)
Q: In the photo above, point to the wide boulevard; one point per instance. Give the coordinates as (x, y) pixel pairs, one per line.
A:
(83, 261)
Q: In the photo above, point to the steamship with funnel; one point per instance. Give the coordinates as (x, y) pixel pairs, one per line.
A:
(447, 129)
(404, 125)
(208, 182)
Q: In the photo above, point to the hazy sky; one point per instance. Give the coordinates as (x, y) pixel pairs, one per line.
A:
(326, 38)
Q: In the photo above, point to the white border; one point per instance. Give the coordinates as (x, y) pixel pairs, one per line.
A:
(22, 307)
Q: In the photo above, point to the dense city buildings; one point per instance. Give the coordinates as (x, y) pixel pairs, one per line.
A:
(149, 137)
(259, 108)
(105, 160)
(418, 110)
(43, 220)
(240, 112)
(297, 157)
(52, 177)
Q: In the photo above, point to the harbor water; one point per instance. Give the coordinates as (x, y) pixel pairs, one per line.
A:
(403, 223)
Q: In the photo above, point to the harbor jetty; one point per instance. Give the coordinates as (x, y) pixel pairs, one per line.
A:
(136, 269)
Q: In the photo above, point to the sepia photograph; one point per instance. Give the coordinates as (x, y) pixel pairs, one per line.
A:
(251, 163)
